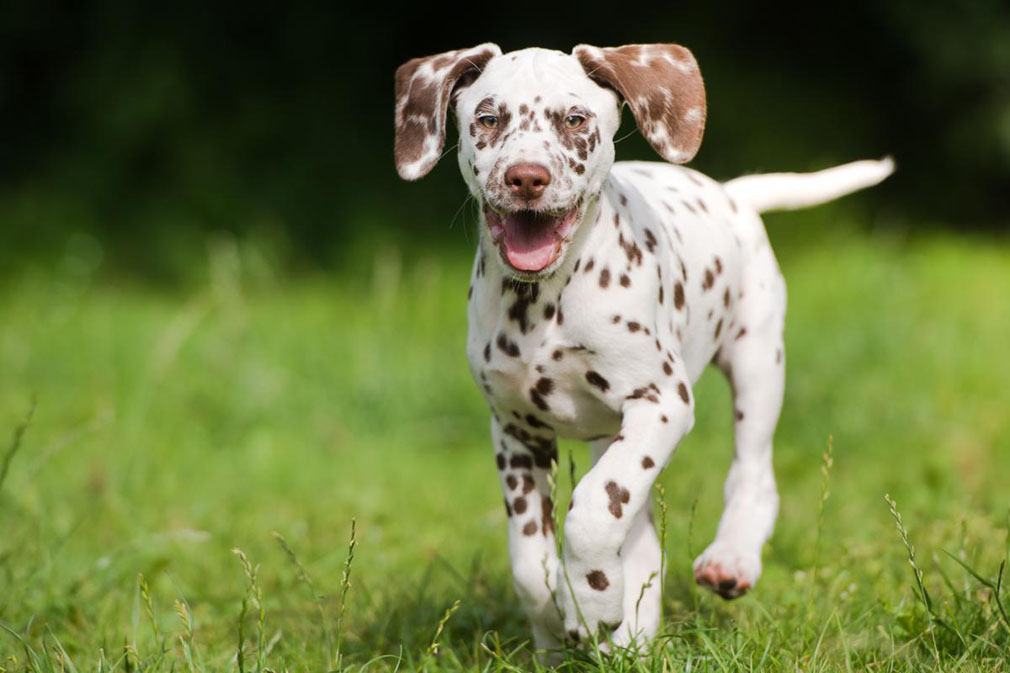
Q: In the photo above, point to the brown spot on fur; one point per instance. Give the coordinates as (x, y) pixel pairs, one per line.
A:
(519, 505)
(618, 496)
(709, 280)
(530, 528)
(507, 346)
(682, 391)
(678, 296)
(605, 277)
(546, 517)
(594, 379)
(535, 422)
(526, 295)
(527, 483)
(511, 481)
(521, 461)
(504, 119)
(631, 250)
(648, 463)
(597, 580)
(537, 398)
(650, 240)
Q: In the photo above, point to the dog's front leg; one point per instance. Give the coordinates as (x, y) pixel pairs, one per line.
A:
(523, 473)
(605, 506)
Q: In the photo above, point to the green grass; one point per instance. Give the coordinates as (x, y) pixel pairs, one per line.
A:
(196, 459)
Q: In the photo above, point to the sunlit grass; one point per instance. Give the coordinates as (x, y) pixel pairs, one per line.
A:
(175, 426)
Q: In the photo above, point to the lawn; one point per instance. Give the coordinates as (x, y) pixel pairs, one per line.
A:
(264, 413)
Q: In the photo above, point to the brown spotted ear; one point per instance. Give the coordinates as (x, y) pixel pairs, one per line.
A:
(424, 87)
(661, 83)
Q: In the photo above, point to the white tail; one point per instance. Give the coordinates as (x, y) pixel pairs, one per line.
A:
(788, 191)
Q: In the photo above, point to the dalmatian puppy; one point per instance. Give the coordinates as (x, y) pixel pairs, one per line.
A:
(599, 293)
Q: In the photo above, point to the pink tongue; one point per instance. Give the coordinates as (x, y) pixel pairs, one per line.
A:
(530, 243)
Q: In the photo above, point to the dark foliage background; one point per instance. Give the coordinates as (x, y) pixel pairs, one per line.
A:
(145, 126)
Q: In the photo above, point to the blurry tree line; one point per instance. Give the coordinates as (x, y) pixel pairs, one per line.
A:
(146, 125)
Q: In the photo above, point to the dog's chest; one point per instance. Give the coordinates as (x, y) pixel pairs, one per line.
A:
(652, 283)
(530, 359)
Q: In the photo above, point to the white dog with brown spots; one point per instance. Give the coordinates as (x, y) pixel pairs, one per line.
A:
(600, 292)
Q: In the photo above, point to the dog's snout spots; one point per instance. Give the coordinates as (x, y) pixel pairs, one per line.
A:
(527, 181)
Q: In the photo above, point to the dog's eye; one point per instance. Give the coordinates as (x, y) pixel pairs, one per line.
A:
(488, 121)
(574, 121)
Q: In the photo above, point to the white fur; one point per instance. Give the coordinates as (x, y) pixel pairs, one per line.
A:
(788, 191)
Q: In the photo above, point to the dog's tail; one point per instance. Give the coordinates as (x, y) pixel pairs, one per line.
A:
(789, 191)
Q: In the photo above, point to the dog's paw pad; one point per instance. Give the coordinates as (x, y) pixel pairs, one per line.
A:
(727, 572)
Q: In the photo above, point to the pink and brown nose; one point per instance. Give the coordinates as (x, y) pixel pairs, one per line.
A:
(527, 181)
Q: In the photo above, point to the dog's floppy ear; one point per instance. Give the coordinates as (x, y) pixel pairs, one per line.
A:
(424, 87)
(662, 85)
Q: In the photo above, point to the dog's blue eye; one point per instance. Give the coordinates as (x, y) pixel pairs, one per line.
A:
(574, 121)
(488, 121)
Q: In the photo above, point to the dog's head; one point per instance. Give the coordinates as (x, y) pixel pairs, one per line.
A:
(537, 129)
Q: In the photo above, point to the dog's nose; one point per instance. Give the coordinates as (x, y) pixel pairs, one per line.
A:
(527, 181)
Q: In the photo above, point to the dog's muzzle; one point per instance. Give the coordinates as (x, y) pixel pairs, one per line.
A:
(531, 240)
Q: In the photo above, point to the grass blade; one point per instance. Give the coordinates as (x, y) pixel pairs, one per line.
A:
(19, 433)
(345, 586)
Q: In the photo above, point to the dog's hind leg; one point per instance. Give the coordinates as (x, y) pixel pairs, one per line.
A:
(753, 359)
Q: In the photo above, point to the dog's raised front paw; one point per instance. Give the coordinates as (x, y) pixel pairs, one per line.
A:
(726, 570)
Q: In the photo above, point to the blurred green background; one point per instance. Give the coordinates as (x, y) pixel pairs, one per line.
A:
(147, 125)
(237, 320)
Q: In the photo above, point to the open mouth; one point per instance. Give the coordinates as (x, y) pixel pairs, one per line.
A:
(531, 240)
